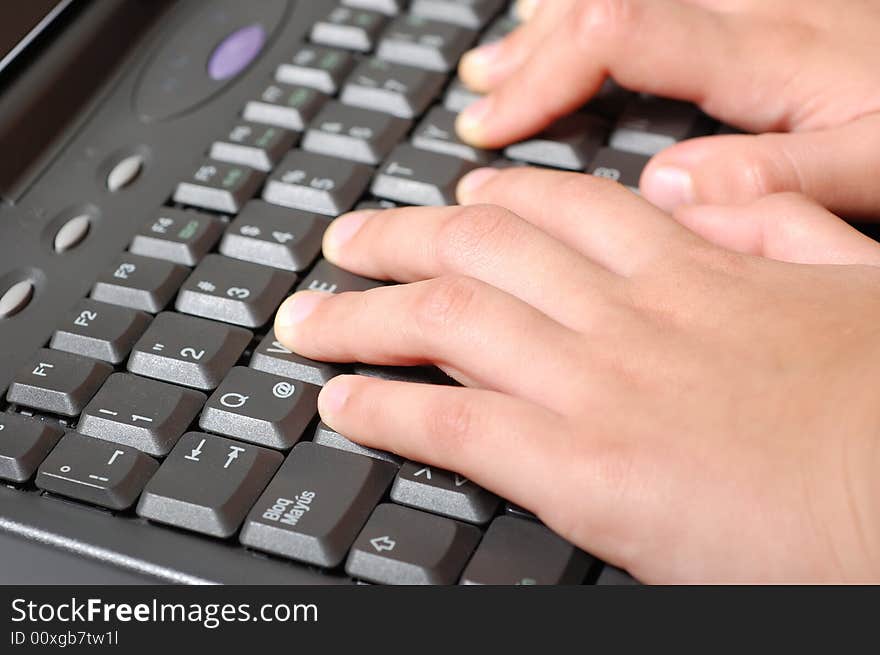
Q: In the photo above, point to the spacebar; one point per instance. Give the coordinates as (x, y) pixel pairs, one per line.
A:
(133, 544)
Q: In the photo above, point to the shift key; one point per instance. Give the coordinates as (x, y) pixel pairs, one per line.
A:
(317, 503)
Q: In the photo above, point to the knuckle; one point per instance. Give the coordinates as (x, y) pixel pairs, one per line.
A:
(469, 232)
(444, 305)
(450, 425)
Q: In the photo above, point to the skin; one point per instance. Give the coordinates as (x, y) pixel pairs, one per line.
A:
(691, 397)
(800, 72)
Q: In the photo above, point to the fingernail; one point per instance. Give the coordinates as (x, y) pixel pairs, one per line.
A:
(333, 396)
(525, 9)
(669, 187)
(472, 182)
(342, 230)
(298, 308)
(476, 65)
(470, 122)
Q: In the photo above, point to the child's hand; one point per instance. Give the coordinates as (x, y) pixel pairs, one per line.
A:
(803, 66)
(683, 411)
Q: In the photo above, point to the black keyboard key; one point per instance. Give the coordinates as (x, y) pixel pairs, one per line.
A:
(388, 7)
(187, 350)
(315, 183)
(613, 576)
(443, 492)
(511, 509)
(570, 143)
(58, 382)
(234, 291)
(436, 133)
(520, 552)
(317, 503)
(24, 444)
(649, 125)
(219, 186)
(139, 282)
(354, 133)
(458, 97)
(316, 67)
(331, 279)
(100, 331)
(261, 408)
(146, 414)
(253, 144)
(96, 471)
(399, 545)
(178, 235)
(404, 91)
(414, 374)
(429, 44)
(207, 484)
(620, 166)
(275, 236)
(473, 14)
(286, 106)
(271, 356)
(499, 29)
(352, 29)
(326, 436)
(415, 177)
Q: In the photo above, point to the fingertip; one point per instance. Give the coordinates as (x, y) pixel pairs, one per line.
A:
(333, 398)
(471, 183)
(471, 124)
(525, 9)
(668, 186)
(476, 66)
(293, 311)
(343, 230)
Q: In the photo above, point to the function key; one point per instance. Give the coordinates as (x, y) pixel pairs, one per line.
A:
(275, 236)
(570, 143)
(24, 444)
(138, 282)
(473, 14)
(96, 471)
(252, 144)
(260, 408)
(180, 236)
(234, 291)
(351, 29)
(218, 186)
(186, 350)
(380, 85)
(207, 484)
(315, 183)
(354, 133)
(443, 492)
(416, 177)
(399, 545)
(101, 331)
(285, 106)
(429, 44)
(316, 504)
(272, 356)
(58, 382)
(517, 552)
(316, 67)
(145, 414)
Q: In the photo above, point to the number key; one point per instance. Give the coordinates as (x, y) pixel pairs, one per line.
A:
(428, 44)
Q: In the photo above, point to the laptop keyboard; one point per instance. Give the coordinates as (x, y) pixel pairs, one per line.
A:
(165, 395)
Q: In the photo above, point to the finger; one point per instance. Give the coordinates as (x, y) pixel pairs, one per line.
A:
(458, 323)
(485, 67)
(499, 442)
(485, 242)
(599, 218)
(836, 167)
(647, 45)
(787, 227)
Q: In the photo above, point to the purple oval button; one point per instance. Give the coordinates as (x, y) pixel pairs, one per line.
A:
(236, 51)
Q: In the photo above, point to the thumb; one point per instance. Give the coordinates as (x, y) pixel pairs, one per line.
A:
(836, 167)
(787, 226)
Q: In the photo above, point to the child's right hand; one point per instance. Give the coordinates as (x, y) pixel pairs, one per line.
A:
(804, 67)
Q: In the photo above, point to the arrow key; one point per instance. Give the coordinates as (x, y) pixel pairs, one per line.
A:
(399, 545)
